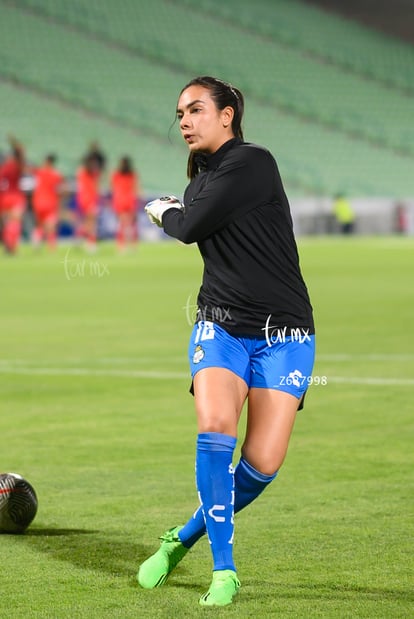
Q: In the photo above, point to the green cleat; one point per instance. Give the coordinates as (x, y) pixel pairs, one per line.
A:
(155, 570)
(223, 588)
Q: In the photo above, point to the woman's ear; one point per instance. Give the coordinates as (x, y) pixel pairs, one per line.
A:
(227, 115)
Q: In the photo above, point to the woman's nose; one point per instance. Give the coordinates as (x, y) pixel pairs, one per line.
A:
(184, 121)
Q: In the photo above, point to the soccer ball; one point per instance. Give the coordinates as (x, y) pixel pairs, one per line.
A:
(18, 503)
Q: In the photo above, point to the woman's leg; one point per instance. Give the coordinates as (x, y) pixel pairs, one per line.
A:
(271, 415)
(91, 230)
(219, 398)
(248, 485)
(12, 225)
(270, 419)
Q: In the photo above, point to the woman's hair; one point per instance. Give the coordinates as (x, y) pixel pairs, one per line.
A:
(223, 95)
(51, 158)
(125, 165)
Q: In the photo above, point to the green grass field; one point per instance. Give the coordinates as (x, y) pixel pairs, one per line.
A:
(96, 414)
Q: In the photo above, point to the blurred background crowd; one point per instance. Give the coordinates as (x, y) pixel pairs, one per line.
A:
(88, 93)
(37, 203)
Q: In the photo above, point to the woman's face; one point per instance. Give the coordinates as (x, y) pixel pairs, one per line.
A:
(202, 125)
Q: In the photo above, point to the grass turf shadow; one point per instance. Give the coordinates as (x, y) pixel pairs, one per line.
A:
(88, 549)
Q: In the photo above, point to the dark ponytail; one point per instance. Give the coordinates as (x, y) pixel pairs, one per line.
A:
(223, 95)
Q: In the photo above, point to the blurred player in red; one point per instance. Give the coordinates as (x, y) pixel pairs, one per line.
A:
(125, 192)
(46, 201)
(87, 196)
(12, 198)
(96, 153)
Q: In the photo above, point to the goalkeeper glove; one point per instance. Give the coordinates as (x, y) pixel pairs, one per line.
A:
(156, 209)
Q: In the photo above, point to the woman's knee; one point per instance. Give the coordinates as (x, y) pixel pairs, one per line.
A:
(219, 397)
(267, 463)
(211, 420)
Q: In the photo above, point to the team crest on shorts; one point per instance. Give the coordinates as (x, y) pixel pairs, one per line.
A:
(198, 354)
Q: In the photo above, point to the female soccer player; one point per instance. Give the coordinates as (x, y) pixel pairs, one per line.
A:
(46, 199)
(87, 197)
(12, 198)
(125, 190)
(254, 334)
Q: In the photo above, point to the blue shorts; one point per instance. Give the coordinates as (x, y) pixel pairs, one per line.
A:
(285, 364)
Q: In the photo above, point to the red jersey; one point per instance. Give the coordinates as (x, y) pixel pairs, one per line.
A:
(10, 193)
(88, 189)
(124, 191)
(46, 192)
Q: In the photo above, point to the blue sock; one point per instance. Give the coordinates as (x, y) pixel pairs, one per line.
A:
(215, 485)
(248, 484)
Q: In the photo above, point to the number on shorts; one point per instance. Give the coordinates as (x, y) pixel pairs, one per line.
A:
(205, 331)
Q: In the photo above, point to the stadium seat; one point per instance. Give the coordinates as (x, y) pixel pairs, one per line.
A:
(331, 98)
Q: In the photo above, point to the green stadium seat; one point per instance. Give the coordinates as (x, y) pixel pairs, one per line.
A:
(334, 99)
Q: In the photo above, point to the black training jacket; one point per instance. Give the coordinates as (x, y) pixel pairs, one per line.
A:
(237, 212)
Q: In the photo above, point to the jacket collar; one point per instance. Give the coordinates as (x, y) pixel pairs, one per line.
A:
(211, 162)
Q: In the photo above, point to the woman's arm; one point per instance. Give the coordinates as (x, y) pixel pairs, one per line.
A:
(242, 181)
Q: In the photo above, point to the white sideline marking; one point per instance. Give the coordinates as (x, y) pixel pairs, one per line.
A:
(386, 357)
(91, 372)
(371, 380)
(157, 375)
(365, 357)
